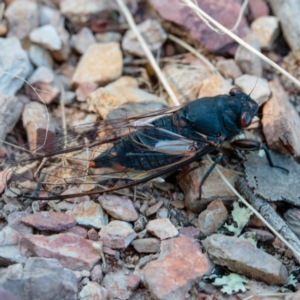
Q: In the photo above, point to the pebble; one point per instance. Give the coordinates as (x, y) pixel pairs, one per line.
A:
(162, 276)
(72, 251)
(3, 28)
(92, 290)
(89, 214)
(116, 285)
(119, 208)
(117, 235)
(84, 90)
(154, 208)
(212, 218)
(50, 15)
(108, 37)
(241, 256)
(101, 63)
(49, 220)
(46, 36)
(292, 217)
(14, 60)
(78, 230)
(162, 213)
(262, 235)
(97, 274)
(229, 68)
(258, 8)
(152, 32)
(249, 62)
(42, 79)
(162, 228)
(22, 17)
(258, 87)
(85, 273)
(191, 232)
(148, 245)
(11, 108)
(62, 54)
(82, 40)
(266, 30)
(93, 234)
(14, 221)
(51, 280)
(40, 57)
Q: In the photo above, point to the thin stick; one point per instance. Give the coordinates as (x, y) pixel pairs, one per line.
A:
(147, 51)
(204, 15)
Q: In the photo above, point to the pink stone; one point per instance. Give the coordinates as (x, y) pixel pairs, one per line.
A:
(72, 251)
(50, 220)
(133, 281)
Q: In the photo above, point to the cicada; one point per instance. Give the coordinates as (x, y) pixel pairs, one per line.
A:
(114, 154)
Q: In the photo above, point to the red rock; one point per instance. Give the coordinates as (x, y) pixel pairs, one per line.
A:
(50, 220)
(162, 228)
(223, 11)
(117, 234)
(78, 230)
(93, 234)
(181, 263)
(14, 221)
(190, 232)
(72, 251)
(133, 281)
(258, 8)
(97, 274)
(85, 89)
(154, 208)
(119, 208)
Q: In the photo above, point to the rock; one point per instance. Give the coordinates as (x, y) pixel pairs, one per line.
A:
(190, 232)
(75, 190)
(22, 17)
(148, 245)
(287, 12)
(258, 87)
(42, 79)
(117, 234)
(214, 187)
(14, 222)
(11, 109)
(80, 12)
(133, 281)
(154, 208)
(108, 37)
(281, 122)
(46, 36)
(161, 276)
(96, 274)
(89, 214)
(119, 208)
(225, 14)
(72, 251)
(14, 60)
(101, 63)
(85, 89)
(78, 230)
(110, 102)
(50, 15)
(3, 28)
(266, 30)
(70, 97)
(292, 296)
(40, 57)
(258, 8)
(85, 273)
(162, 213)
(49, 220)
(93, 291)
(40, 279)
(292, 217)
(162, 228)
(116, 285)
(12, 250)
(212, 218)
(229, 68)
(241, 256)
(261, 235)
(93, 234)
(82, 40)
(152, 32)
(7, 295)
(62, 54)
(36, 127)
(249, 62)
(140, 224)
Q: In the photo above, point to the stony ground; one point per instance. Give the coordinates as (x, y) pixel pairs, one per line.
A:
(82, 63)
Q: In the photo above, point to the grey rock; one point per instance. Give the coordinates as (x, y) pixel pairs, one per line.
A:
(82, 40)
(14, 221)
(40, 278)
(241, 256)
(148, 245)
(93, 291)
(14, 66)
(40, 57)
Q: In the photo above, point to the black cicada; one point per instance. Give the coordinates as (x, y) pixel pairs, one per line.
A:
(114, 154)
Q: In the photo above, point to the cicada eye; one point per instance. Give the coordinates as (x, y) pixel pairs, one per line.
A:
(245, 119)
(235, 91)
